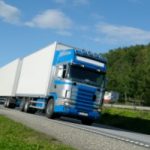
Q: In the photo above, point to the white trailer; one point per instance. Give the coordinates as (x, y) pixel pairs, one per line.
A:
(9, 76)
(36, 71)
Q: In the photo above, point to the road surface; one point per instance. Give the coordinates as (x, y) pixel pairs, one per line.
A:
(82, 137)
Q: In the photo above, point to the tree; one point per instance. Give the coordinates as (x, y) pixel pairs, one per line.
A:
(129, 72)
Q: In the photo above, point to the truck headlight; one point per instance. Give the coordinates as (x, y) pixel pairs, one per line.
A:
(66, 103)
(68, 94)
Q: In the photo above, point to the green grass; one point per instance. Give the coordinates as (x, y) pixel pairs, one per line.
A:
(15, 136)
(133, 120)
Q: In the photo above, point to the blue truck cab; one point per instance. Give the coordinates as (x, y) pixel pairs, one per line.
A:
(77, 86)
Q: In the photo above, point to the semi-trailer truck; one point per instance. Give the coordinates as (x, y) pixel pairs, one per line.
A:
(60, 80)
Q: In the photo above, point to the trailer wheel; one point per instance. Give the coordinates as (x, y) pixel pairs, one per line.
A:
(9, 104)
(86, 121)
(5, 103)
(27, 108)
(50, 109)
(22, 105)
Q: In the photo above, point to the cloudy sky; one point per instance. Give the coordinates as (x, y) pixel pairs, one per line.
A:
(97, 25)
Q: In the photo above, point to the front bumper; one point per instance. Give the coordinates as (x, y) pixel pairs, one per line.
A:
(72, 111)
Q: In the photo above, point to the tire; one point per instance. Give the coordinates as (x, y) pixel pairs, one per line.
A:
(5, 103)
(50, 109)
(86, 121)
(27, 108)
(22, 105)
(9, 104)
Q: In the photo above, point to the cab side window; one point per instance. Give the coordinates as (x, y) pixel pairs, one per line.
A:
(61, 71)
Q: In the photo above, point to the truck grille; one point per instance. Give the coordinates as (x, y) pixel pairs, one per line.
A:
(83, 98)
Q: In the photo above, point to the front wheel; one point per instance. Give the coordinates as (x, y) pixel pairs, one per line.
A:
(50, 109)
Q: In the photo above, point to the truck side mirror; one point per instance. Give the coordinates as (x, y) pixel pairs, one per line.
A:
(59, 72)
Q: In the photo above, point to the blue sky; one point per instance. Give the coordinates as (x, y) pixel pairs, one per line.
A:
(97, 25)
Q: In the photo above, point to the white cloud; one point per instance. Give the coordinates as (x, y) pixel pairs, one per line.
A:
(9, 13)
(52, 18)
(121, 34)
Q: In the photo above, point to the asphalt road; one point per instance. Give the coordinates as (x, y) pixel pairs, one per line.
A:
(71, 132)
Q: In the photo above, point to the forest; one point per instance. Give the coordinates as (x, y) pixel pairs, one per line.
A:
(128, 72)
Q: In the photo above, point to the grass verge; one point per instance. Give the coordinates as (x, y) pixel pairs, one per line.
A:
(15, 136)
(133, 120)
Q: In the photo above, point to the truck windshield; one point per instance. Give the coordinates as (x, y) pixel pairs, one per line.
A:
(85, 75)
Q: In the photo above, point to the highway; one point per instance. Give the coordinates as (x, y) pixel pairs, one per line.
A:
(82, 137)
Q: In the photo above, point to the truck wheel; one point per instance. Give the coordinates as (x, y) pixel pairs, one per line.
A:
(8, 103)
(22, 105)
(5, 103)
(27, 108)
(86, 121)
(50, 109)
